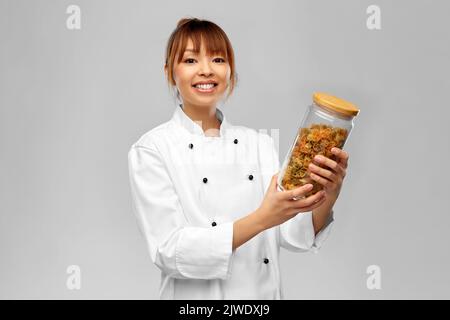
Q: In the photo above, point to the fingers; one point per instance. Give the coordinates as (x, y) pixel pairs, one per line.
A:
(324, 182)
(342, 156)
(309, 201)
(326, 174)
(273, 183)
(333, 165)
(296, 193)
(312, 206)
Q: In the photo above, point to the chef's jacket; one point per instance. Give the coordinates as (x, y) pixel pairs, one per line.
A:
(188, 189)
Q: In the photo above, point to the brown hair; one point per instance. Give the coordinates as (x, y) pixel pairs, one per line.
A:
(215, 40)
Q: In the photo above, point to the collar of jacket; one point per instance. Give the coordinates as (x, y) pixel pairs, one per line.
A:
(195, 128)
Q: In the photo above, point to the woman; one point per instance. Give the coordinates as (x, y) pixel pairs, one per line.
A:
(204, 191)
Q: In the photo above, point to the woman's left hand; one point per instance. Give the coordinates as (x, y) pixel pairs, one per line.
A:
(331, 177)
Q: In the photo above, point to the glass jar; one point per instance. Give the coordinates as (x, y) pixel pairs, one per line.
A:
(327, 123)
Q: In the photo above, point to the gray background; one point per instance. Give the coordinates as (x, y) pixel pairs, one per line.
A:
(73, 102)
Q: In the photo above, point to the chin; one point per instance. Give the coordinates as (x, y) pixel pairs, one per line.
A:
(206, 101)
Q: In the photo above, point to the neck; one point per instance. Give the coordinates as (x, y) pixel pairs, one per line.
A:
(205, 117)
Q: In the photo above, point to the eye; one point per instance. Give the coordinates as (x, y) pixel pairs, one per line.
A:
(222, 60)
(187, 60)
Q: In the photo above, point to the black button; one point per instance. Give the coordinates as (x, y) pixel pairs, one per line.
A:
(191, 145)
(205, 180)
(214, 224)
(235, 141)
(250, 177)
(266, 261)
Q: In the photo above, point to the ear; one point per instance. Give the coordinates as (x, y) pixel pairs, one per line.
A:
(165, 69)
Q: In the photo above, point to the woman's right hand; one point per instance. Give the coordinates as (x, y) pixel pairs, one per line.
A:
(280, 206)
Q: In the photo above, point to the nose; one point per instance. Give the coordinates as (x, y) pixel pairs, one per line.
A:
(205, 69)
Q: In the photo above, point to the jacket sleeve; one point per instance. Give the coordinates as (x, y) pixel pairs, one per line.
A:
(296, 234)
(177, 248)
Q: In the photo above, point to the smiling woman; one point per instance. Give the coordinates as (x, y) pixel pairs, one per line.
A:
(188, 43)
(199, 197)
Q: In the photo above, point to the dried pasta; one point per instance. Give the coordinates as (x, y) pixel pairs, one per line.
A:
(317, 139)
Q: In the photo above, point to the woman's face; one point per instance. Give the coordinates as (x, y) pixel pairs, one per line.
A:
(202, 80)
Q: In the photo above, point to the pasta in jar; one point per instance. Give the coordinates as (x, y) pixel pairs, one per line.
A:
(327, 124)
(318, 139)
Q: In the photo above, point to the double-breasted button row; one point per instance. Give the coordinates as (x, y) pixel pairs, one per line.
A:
(250, 177)
(191, 146)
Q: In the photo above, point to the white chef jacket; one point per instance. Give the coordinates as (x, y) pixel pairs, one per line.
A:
(188, 189)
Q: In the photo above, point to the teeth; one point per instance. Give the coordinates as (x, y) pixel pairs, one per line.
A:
(205, 86)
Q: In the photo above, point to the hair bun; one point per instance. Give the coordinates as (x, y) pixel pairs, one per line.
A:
(183, 21)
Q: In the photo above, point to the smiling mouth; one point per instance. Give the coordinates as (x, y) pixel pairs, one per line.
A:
(205, 87)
